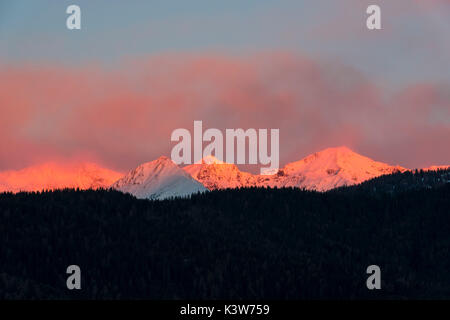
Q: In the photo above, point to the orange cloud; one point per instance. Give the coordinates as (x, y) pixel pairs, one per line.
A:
(52, 175)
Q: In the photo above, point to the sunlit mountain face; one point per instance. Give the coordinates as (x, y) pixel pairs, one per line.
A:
(321, 171)
(158, 179)
(51, 176)
(162, 178)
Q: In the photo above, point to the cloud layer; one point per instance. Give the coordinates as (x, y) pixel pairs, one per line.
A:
(124, 116)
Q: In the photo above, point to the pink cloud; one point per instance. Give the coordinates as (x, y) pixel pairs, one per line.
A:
(125, 116)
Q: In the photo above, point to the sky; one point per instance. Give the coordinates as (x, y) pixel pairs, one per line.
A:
(114, 91)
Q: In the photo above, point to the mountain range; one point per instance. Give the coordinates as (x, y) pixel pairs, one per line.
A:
(162, 178)
(321, 171)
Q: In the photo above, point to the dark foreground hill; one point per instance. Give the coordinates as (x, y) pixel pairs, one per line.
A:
(400, 182)
(234, 244)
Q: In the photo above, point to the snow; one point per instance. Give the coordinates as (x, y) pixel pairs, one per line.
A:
(219, 175)
(162, 178)
(325, 170)
(210, 160)
(332, 168)
(158, 179)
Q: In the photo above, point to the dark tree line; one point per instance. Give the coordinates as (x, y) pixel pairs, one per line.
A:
(400, 182)
(233, 244)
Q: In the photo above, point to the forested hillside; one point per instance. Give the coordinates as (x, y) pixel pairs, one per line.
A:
(232, 244)
(401, 182)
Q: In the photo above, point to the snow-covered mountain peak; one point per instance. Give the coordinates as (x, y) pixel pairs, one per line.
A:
(158, 179)
(162, 178)
(216, 174)
(210, 160)
(161, 162)
(333, 167)
(331, 155)
(323, 170)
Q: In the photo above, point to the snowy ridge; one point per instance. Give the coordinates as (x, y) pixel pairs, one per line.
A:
(332, 168)
(321, 171)
(215, 174)
(162, 178)
(158, 179)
